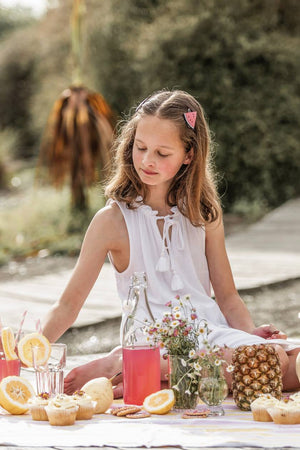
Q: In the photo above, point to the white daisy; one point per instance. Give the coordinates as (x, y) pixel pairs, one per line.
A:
(197, 366)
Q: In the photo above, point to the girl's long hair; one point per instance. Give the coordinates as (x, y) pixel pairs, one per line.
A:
(193, 188)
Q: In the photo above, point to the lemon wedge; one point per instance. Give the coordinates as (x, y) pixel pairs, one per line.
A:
(8, 343)
(160, 402)
(34, 340)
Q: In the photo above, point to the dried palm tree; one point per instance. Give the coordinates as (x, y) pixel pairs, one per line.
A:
(79, 132)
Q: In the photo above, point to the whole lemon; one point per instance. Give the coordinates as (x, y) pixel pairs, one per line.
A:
(101, 391)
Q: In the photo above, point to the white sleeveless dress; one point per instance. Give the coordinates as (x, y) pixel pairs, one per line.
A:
(175, 265)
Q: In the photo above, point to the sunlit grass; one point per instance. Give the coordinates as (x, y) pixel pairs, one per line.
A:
(39, 218)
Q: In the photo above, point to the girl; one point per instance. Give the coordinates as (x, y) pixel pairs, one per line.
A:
(163, 217)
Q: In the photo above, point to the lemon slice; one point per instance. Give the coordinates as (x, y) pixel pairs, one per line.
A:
(160, 402)
(34, 340)
(15, 393)
(8, 343)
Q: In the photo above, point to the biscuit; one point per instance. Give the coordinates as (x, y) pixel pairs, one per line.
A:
(127, 410)
(138, 415)
(195, 414)
(115, 409)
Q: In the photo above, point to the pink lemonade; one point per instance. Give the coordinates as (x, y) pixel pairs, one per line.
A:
(9, 367)
(141, 373)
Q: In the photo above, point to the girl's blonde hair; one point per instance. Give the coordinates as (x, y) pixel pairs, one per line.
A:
(193, 189)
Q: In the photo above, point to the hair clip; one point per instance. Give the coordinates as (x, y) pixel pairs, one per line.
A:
(141, 104)
(190, 118)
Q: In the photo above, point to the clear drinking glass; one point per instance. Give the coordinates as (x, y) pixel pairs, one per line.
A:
(213, 389)
(50, 376)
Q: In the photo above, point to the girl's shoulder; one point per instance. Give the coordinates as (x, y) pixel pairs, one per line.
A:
(109, 215)
(108, 226)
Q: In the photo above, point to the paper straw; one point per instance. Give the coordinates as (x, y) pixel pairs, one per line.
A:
(38, 326)
(20, 328)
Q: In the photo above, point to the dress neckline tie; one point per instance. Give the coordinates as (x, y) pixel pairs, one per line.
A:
(166, 261)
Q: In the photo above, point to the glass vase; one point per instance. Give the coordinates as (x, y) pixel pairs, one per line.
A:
(185, 387)
(213, 389)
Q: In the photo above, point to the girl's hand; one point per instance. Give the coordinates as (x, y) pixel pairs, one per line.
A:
(269, 331)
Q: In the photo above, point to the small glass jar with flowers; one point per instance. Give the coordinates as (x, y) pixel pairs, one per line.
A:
(184, 337)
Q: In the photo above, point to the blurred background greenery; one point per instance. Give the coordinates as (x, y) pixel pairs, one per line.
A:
(240, 58)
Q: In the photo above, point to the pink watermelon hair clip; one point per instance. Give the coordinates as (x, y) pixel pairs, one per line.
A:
(190, 118)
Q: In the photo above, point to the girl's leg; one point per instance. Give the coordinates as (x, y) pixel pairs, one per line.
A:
(227, 355)
(290, 379)
(106, 366)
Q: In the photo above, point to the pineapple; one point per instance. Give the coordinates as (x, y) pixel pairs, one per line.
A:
(256, 371)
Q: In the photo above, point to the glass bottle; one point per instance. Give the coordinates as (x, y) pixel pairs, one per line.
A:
(141, 360)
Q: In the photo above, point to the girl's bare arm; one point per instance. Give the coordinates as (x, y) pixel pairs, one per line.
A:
(229, 301)
(227, 297)
(99, 239)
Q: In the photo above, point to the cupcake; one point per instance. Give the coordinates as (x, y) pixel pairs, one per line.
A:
(260, 405)
(285, 413)
(61, 410)
(37, 406)
(86, 406)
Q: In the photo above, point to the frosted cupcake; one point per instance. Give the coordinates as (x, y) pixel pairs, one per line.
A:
(260, 405)
(86, 406)
(286, 413)
(61, 410)
(37, 406)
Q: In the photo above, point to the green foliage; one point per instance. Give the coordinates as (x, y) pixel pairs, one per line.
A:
(16, 86)
(9, 140)
(39, 218)
(11, 19)
(243, 68)
(240, 58)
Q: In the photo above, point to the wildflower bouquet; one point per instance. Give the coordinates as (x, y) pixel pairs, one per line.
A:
(185, 339)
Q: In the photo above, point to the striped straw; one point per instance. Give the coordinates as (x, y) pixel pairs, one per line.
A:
(38, 326)
(20, 327)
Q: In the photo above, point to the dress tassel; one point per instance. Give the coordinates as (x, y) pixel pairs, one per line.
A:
(163, 264)
(176, 282)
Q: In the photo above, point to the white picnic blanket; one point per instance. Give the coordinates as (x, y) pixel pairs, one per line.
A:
(235, 429)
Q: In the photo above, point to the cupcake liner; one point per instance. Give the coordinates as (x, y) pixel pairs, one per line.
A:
(285, 416)
(261, 414)
(38, 412)
(85, 412)
(61, 417)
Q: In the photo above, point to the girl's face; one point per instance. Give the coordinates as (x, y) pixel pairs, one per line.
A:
(158, 152)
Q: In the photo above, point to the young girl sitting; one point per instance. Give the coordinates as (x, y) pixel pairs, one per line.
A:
(163, 217)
